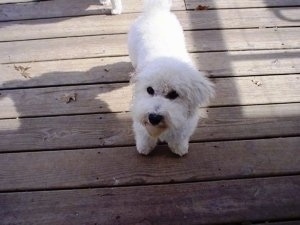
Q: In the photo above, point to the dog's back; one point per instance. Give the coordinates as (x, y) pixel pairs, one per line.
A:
(156, 33)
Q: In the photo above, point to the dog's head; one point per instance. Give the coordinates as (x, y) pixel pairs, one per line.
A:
(167, 92)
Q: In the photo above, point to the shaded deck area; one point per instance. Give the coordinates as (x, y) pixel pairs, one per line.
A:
(67, 153)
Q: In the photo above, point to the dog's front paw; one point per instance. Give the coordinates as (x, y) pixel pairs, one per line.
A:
(145, 147)
(180, 149)
(144, 150)
(144, 142)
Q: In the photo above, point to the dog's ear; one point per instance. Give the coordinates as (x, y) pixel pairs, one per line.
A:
(203, 90)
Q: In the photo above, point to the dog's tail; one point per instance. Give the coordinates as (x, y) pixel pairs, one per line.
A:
(157, 5)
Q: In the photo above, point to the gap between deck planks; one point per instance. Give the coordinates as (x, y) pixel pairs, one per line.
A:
(234, 201)
(101, 46)
(117, 69)
(105, 98)
(190, 20)
(124, 166)
(115, 129)
(65, 8)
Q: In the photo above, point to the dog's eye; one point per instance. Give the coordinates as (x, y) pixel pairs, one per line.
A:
(172, 95)
(150, 90)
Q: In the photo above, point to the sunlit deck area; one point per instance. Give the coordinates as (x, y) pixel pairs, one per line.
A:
(67, 151)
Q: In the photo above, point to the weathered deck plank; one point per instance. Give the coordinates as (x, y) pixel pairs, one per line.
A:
(233, 201)
(101, 46)
(117, 97)
(123, 166)
(63, 8)
(252, 130)
(36, 10)
(190, 20)
(116, 69)
(224, 4)
(114, 129)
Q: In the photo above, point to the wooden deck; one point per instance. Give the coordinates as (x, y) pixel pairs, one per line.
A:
(67, 154)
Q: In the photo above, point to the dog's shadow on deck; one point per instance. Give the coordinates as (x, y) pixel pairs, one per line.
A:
(66, 109)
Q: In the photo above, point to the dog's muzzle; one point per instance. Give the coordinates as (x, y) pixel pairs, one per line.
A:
(155, 124)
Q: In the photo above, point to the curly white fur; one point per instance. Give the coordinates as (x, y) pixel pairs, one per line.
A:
(168, 89)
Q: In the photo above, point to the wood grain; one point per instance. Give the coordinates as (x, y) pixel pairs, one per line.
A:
(219, 202)
(117, 69)
(63, 8)
(123, 166)
(102, 46)
(190, 20)
(223, 4)
(104, 98)
(114, 129)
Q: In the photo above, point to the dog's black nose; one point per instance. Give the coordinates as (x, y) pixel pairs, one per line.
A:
(155, 119)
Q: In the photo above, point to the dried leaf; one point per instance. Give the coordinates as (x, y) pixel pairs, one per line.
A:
(25, 74)
(17, 68)
(23, 71)
(26, 68)
(67, 98)
(202, 7)
(256, 82)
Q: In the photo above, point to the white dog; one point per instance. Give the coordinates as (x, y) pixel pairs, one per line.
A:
(116, 6)
(168, 89)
